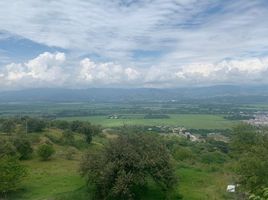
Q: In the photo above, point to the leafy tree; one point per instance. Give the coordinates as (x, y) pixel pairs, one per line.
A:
(23, 147)
(125, 164)
(11, 174)
(89, 131)
(76, 126)
(45, 151)
(243, 138)
(61, 124)
(35, 125)
(252, 168)
(7, 148)
(250, 149)
(262, 196)
(8, 126)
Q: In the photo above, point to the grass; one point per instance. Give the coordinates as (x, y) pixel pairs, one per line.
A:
(58, 179)
(47, 179)
(195, 121)
(198, 184)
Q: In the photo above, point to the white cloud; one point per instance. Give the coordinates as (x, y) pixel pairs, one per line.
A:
(252, 70)
(105, 73)
(55, 70)
(43, 71)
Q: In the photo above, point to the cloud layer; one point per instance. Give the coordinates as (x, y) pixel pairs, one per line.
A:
(55, 70)
(178, 31)
(132, 43)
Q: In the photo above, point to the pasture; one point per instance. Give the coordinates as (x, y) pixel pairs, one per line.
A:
(195, 121)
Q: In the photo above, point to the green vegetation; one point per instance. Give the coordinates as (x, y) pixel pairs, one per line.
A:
(45, 151)
(203, 168)
(196, 121)
(250, 147)
(122, 169)
(11, 174)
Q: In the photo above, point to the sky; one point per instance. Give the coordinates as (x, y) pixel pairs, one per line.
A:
(132, 43)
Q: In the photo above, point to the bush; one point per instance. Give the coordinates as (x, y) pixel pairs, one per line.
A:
(11, 174)
(7, 148)
(35, 125)
(45, 151)
(24, 148)
(70, 153)
(8, 126)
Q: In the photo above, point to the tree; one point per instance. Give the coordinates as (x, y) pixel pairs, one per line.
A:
(262, 196)
(7, 148)
(250, 149)
(125, 164)
(89, 131)
(8, 126)
(34, 125)
(11, 174)
(45, 151)
(23, 147)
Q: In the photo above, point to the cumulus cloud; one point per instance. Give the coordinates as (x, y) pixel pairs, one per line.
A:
(44, 70)
(105, 73)
(252, 70)
(55, 70)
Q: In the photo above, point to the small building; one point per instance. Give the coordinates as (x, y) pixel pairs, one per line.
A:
(230, 188)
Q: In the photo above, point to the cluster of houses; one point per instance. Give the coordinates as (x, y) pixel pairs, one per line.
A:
(178, 131)
(259, 120)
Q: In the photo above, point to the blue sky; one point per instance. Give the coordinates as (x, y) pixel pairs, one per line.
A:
(132, 43)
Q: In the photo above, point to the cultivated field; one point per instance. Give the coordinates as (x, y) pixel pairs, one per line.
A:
(195, 121)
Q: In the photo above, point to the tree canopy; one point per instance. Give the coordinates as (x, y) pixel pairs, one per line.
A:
(126, 164)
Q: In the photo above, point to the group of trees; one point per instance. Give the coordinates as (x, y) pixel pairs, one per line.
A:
(37, 125)
(16, 144)
(250, 149)
(123, 167)
(22, 125)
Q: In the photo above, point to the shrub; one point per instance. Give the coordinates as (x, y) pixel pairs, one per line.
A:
(7, 148)
(24, 148)
(45, 151)
(11, 174)
(8, 126)
(35, 125)
(70, 153)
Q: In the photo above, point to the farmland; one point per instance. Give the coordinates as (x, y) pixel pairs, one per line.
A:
(195, 121)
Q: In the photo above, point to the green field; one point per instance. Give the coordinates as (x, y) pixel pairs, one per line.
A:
(59, 179)
(195, 121)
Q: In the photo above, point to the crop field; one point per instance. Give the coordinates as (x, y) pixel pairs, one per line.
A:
(195, 121)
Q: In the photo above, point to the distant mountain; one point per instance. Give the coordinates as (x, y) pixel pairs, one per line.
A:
(222, 93)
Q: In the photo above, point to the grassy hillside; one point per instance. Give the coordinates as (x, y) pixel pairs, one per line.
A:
(59, 178)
